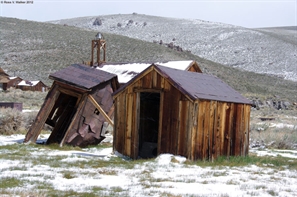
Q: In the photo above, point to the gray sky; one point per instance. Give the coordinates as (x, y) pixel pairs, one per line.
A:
(245, 13)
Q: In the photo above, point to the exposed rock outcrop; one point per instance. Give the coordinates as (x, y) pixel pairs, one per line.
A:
(97, 22)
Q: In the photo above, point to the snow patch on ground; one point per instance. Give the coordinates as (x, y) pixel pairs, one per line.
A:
(165, 175)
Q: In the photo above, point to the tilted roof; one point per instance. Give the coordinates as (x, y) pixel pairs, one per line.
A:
(196, 85)
(3, 73)
(82, 76)
(127, 71)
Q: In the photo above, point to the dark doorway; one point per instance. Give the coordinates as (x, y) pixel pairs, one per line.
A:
(61, 117)
(149, 124)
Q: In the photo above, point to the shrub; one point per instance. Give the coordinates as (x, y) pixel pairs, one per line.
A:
(13, 121)
(10, 121)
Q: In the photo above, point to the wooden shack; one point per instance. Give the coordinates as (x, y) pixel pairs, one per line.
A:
(14, 81)
(26, 85)
(127, 71)
(164, 110)
(4, 79)
(78, 106)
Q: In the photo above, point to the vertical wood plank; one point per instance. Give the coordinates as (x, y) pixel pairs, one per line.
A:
(205, 148)
(226, 130)
(246, 122)
(183, 118)
(237, 139)
(115, 126)
(121, 130)
(211, 129)
(194, 130)
(147, 80)
(135, 131)
(155, 79)
(218, 129)
(231, 129)
(174, 120)
(200, 130)
(129, 123)
(160, 122)
(214, 137)
(223, 107)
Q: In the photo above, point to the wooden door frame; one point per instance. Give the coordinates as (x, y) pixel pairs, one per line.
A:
(137, 119)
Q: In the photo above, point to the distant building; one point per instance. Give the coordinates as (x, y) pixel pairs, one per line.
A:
(13, 81)
(32, 86)
(13, 105)
(4, 79)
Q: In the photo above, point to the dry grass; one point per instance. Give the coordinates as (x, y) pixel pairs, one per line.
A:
(13, 121)
(31, 100)
(280, 131)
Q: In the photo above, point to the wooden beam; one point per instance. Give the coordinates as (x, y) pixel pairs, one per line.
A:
(101, 110)
(42, 115)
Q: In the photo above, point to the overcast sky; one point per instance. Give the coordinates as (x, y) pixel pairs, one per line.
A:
(245, 13)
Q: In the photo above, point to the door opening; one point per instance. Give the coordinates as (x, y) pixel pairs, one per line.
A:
(149, 124)
(60, 117)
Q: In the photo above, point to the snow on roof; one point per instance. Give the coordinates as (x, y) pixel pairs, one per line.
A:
(127, 71)
(28, 83)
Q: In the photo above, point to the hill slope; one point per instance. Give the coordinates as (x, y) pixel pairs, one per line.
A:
(33, 50)
(249, 49)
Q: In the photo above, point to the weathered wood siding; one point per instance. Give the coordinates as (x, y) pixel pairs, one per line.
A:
(203, 129)
(14, 82)
(219, 129)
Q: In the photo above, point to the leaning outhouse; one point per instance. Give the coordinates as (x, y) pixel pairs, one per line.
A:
(78, 106)
(165, 110)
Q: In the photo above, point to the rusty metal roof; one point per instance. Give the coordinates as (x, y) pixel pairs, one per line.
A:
(201, 86)
(82, 76)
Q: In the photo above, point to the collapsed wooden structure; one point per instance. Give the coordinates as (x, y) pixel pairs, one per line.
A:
(78, 106)
(164, 110)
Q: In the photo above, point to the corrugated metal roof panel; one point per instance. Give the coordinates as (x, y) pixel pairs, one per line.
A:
(82, 76)
(202, 86)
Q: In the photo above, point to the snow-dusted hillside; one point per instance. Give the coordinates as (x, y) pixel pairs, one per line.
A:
(252, 50)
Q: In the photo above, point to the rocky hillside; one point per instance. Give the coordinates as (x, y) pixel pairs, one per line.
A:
(258, 50)
(33, 50)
